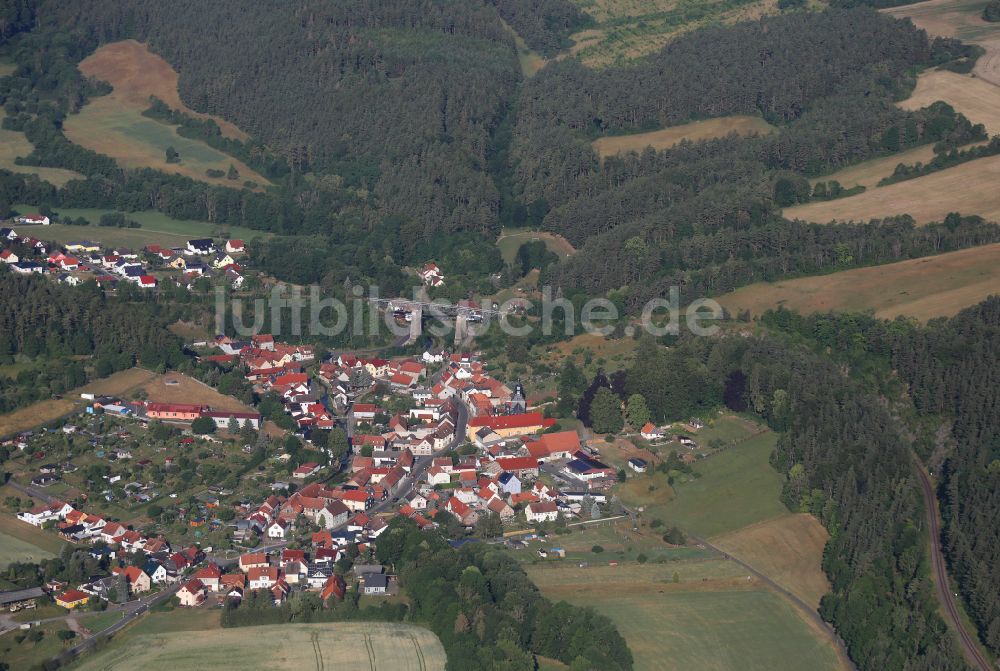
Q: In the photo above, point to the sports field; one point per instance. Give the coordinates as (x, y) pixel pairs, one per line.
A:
(114, 124)
(365, 646)
(14, 144)
(712, 619)
(668, 137)
(935, 286)
(969, 188)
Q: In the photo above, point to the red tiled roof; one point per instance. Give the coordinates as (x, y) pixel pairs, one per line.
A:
(527, 420)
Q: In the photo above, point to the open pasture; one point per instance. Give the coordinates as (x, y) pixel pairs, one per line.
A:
(512, 239)
(706, 129)
(329, 647)
(14, 144)
(934, 286)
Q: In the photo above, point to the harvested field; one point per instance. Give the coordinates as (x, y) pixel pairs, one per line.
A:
(119, 383)
(179, 388)
(788, 549)
(13, 549)
(935, 286)
(14, 144)
(869, 173)
(969, 188)
(668, 137)
(114, 124)
(327, 647)
(975, 98)
(36, 414)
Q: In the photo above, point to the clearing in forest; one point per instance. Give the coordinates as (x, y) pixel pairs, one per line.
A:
(706, 129)
(326, 647)
(14, 144)
(934, 286)
(114, 124)
(511, 239)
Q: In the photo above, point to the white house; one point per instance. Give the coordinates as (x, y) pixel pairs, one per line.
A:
(34, 219)
(543, 511)
(276, 529)
(39, 515)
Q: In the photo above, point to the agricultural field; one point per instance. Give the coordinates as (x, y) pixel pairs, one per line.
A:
(512, 239)
(935, 286)
(630, 29)
(15, 550)
(327, 647)
(696, 130)
(156, 228)
(14, 144)
(737, 487)
(969, 188)
(26, 654)
(114, 124)
(712, 618)
(787, 549)
(19, 540)
(975, 98)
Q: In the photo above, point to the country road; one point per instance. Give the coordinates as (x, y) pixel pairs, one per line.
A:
(970, 647)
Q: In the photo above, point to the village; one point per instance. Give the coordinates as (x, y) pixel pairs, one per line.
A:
(433, 438)
(79, 261)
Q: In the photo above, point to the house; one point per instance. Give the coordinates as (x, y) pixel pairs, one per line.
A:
(235, 246)
(364, 412)
(583, 467)
(334, 587)
(209, 576)
(522, 466)
(334, 514)
(509, 483)
(7, 256)
(231, 581)
(432, 275)
(222, 260)
(72, 598)
(637, 465)
(157, 572)
(252, 560)
(462, 512)
(33, 219)
(305, 470)
(27, 267)
(39, 515)
(147, 282)
(542, 511)
(262, 577)
(277, 529)
(374, 583)
(559, 445)
(192, 593)
(650, 432)
(200, 246)
(138, 580)
(501, 508)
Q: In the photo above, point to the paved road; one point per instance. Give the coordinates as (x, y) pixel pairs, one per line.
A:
(967, 641)
(805, 608)
(32, 491)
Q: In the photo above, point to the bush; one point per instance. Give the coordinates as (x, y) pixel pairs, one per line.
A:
(597, 549)
(203, 425)
(642, 559)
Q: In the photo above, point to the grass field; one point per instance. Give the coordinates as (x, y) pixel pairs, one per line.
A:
(15, 550)
(157, 228)
(935, 286)
(787, 549)
(13, 144)
(26, 655)
(328, 647)
(969, 188)
(630, 29)
(668, 137)
(114, 124)
(712, 619)
(11, 528)
(737, 487)
(119, 383)
(512, 239)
